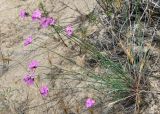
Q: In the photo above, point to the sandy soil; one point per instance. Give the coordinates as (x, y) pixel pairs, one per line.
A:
(15, 96)
(18, 96)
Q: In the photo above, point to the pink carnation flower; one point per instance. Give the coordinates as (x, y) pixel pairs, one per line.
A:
(29, 79)
(52, 21)
(47, 21)
(33, 64)
(28, 41)
(43, 22)
(23, 13)
(69, 30)
(36, 15)
(44, 91)
(89, 103)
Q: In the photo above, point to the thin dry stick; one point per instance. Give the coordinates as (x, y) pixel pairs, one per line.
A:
(138, 99)
(110, 105)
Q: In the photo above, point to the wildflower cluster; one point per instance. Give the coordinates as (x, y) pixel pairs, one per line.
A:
(44, 22)
(29, 79)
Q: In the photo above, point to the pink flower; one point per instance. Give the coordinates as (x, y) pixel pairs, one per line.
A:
(51, 21)
(28, 41)
(33, 64)
(47, 21)
(23, 13)
(89, 103)
(69, 30)
(44, 91)
(29, 79)
(43, 22)
(36, 15)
